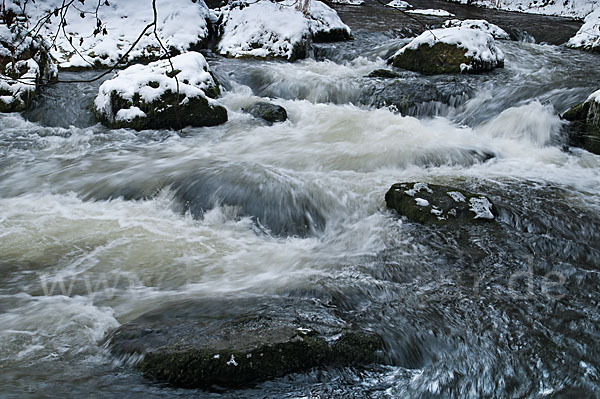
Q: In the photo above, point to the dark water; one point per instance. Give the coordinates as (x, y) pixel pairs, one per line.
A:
(100, 226)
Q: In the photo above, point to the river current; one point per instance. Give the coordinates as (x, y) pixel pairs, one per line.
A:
(98, 226)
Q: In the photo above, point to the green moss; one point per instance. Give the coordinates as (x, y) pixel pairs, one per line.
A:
(584, 129)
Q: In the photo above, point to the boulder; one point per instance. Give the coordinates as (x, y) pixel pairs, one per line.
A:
(450, 50)
(435, 204)
(584, 129)
(25, 65)
(269, 112)
(236, 342)
(277, 30)
(155, 96)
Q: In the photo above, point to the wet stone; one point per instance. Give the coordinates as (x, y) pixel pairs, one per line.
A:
(267, 111)
(236, 342)
(584, 129)
(435, 204)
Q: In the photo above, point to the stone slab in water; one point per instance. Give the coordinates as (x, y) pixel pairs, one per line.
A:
(267, 111)
(432, 203)
(584, 130)
(236, 342)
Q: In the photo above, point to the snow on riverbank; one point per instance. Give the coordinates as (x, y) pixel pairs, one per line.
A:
(588, 36)
(181, 25)
(565, 8)
(267, 29)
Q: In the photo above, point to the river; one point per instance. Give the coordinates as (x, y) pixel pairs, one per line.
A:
(98, 226)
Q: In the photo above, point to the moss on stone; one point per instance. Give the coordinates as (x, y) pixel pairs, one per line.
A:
(167, 112)
(439, 59)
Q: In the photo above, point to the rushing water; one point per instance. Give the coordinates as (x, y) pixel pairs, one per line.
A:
(98, 226)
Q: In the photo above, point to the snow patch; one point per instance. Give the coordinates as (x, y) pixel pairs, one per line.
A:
(457, 196)
(595, 96)
(399, 4)
(482, 208)
(129, 114)
(232, 362)
(479, 24)
(421, 202)
(417, 188)
(432, 12)
(588, 36)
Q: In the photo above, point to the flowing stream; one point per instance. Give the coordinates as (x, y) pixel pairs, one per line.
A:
(98, 226)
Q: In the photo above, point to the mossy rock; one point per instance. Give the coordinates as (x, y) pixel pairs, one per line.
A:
(269, 112)
(439, 59)
(435, 204)
(167, 112)
(16, 104)
(584, 129)
(237, 342)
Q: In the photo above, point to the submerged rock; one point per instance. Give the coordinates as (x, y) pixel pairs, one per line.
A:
(431, 203)
(236, 342)
(25, 64)
(155, 96)
(584, 130)
(451, 50)
(267, 111)
(267, 29)
(384, 74)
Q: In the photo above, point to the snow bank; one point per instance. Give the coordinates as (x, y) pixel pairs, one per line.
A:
(148, 83)
(588, 36)
(479, 24)
(181, 25)
(480, 45)
(432, 12)
(565, 8)
(267, 29)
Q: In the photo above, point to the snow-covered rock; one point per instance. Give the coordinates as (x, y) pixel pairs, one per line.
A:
(24, 66)
(565, 8)
(268, 29)
(584, 129)
(154, 96)
(432, 12)
(348, 2)
(450, 50)
(398, 4)
(480, 24)
(588, 36)
(181, 25)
